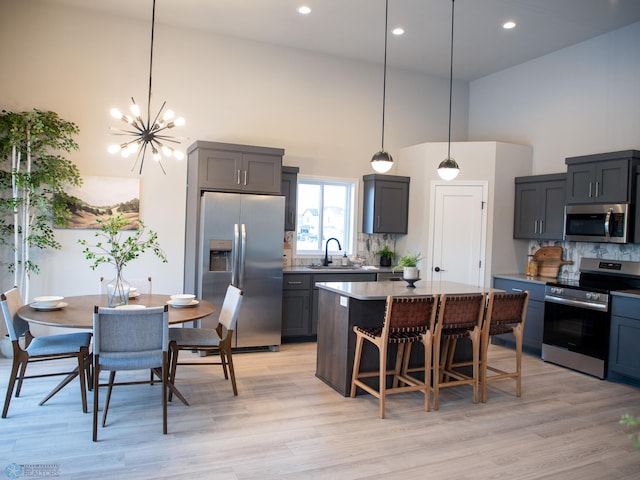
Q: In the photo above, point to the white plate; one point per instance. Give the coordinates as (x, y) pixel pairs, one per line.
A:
(193, 303)
(130, 307)
(59, 306)
(134, 294)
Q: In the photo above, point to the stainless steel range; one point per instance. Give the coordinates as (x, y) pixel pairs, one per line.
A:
(577, 315)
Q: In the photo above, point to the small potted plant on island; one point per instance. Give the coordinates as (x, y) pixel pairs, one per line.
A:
(409, 264)
(386, 256)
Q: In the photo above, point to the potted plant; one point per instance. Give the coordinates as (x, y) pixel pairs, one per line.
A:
(117, 249)
(409, 263)
(33, 174)
(386, 256)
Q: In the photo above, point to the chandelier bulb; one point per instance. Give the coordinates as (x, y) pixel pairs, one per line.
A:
(179, 122)
(177, 154)
(115, 113)
(113, 148)
(168, 115)
(135, 109)
(168, 151)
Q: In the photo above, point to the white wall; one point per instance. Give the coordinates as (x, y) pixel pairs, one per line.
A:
(324, 111)
(580, 100)
(495, 162)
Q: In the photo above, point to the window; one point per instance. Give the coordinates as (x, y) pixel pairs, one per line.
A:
(325, 210)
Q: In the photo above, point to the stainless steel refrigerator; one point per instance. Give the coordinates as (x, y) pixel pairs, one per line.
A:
(241, 243)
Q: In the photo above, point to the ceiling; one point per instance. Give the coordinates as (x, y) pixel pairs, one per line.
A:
(354, 29)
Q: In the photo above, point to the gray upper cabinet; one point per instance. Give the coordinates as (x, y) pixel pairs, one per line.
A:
(290, 192)
(539, 207)
(385, 204)
(226, 167)
(602, 178)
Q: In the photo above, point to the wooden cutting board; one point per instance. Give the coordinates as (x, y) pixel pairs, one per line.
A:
(549, 261)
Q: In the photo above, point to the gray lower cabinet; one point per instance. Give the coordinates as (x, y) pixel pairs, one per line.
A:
(300, 301)
(296, 297)
(534, 322)
(624, 359)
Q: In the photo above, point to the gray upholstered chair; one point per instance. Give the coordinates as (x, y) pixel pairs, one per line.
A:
(42, 348)
(218, 340)
(129, 340)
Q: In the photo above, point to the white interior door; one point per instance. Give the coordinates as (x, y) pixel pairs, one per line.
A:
(458, 232)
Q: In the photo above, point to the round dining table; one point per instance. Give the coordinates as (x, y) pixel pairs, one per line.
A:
(77, 311)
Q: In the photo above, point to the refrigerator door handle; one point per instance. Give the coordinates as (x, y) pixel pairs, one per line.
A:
(234, 255)
(242, 255)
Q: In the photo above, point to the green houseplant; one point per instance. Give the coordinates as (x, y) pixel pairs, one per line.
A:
(409, 263)
(386, 256)
(117, 248)
(33, 174)
(634, 422)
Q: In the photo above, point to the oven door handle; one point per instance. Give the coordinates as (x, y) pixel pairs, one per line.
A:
(574, 303)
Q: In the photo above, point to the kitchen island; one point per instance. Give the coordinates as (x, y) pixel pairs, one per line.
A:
(345, 304)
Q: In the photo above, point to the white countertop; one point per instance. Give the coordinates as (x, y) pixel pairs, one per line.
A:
(337, 269)
(525, 278)
(380, 290)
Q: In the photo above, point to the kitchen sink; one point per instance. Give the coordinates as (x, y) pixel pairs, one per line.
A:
(333, 267)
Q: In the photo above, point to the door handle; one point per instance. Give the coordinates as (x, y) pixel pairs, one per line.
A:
(237, 177)
(243, 251)
(438, 269)
(245, 177)
(234, 255)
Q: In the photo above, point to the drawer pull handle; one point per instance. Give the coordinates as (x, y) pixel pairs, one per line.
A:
(519, 290)
(294, 283)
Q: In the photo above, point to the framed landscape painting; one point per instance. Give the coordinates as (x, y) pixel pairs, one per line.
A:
(99, 198)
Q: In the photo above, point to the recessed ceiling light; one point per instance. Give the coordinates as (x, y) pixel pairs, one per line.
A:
(398, 31)
(304, 10)
(509, 25)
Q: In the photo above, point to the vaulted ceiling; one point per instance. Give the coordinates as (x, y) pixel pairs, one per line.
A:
(354, 29)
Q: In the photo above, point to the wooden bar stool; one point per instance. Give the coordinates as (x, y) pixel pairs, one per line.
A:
(506, 313)
(459, 316)
(406, 319)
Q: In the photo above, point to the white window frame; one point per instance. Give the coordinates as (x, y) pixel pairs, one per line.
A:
(351, 209)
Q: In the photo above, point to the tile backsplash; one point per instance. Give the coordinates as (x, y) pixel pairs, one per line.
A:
(366, 247)
(576, 250)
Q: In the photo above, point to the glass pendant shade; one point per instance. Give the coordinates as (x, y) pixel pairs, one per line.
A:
(382, 161)
(448, 169)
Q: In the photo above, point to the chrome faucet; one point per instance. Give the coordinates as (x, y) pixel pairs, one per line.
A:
(326, 251)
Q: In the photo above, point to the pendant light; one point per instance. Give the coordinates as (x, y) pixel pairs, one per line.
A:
(448, 168)
(382, 160)
(147, 134)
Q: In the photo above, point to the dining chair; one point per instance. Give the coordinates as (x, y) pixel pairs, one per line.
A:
(459, 316)
(129, 340)
(506, 313)
(218, 340)
(41, 349)
(406, 319)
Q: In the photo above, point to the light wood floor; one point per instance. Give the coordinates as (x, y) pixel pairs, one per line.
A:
(287, 424)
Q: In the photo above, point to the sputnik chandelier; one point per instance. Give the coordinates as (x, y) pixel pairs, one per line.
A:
(149, 134)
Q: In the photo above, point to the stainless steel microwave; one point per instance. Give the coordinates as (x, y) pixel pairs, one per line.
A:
(600, 223)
